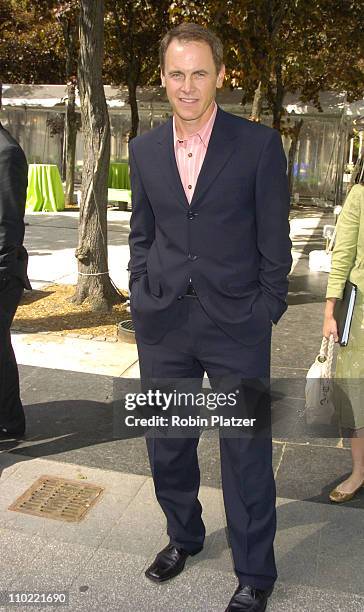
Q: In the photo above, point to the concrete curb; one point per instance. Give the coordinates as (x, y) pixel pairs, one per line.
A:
(30, 331)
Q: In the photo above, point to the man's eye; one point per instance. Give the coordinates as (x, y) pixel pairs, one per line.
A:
(176, 75)
(201, 74)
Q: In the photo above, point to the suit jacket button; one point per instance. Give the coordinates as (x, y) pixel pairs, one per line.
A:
(191, 215)
(192, 257)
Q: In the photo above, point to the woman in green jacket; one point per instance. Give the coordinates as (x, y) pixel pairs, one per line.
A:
(348, 264)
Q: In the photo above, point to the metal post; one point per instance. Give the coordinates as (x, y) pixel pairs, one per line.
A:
(341, 156)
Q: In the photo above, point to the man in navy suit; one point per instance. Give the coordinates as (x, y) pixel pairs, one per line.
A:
(13, 276)
(210, 255)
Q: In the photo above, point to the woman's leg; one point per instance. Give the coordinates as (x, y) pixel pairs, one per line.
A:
(357, 452)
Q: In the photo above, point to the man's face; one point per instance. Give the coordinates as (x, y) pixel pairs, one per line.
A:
(190, 79)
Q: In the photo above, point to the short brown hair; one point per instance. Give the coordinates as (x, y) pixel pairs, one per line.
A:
(192, 32)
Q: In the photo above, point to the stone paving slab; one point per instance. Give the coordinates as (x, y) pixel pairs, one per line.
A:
(316, 545)
(53, 568)
(17, 553)
(139, 528)
(120, 490)
(114, 581)
(202, 592)
(309, 472)
(76, 354)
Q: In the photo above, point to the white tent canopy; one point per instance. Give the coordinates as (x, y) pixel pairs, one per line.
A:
(50, 96)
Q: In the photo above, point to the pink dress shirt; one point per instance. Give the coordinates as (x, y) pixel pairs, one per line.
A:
(190, 154)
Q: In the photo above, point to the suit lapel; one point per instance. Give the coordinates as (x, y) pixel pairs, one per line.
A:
(169, 165)
(220, 148)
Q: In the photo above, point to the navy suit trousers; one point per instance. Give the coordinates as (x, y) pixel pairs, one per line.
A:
(197, 346)
(11, 408)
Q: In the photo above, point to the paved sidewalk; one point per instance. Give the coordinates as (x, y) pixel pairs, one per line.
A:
(319, 546)
(101, 560)
(51, 240)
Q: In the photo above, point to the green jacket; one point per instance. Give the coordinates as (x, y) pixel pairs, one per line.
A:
(348, 255)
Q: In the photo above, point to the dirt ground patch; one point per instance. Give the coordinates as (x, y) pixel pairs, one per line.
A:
(48, 309)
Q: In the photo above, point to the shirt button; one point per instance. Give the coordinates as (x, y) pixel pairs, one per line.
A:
(190, 155)
(189, 186)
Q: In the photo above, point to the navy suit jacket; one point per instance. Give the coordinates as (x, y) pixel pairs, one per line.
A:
(232, 240)
(13, 190)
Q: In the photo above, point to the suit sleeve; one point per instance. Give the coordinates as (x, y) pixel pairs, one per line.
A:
(13, 189)
(142, 223)
(344, 253)
(272, 217)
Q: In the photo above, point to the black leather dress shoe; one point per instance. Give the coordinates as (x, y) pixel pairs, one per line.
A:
(168, 563)
(11, 433)
(249, 599)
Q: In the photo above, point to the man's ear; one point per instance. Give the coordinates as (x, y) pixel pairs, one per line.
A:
(163, 79)
(220, 77)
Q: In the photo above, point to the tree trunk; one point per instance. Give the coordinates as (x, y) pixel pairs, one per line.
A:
(278, 97)
(126, 45)
(93, 281)
(257, 104)
(67, 15)
(132, 91)
(295, 133)
(70, 136)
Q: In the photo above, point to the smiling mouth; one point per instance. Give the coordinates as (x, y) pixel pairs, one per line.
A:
(188, 100)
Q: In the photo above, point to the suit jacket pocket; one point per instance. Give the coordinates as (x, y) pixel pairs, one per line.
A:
(4, 282)
(237, 288)
(134, 289)
(154, 286)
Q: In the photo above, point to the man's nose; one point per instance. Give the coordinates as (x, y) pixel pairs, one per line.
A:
(187, 85)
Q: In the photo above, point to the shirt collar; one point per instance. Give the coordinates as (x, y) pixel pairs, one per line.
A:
(203, 133)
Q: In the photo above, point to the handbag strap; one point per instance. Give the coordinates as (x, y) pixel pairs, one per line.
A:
(332, 240)
(327, 354)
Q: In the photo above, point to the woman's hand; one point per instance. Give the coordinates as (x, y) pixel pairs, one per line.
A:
(330, 325)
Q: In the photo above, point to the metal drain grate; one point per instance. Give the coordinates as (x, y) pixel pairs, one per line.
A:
(58, 498)
(126, 331)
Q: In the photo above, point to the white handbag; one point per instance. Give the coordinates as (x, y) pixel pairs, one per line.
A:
(320, 261)
(319, 386)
